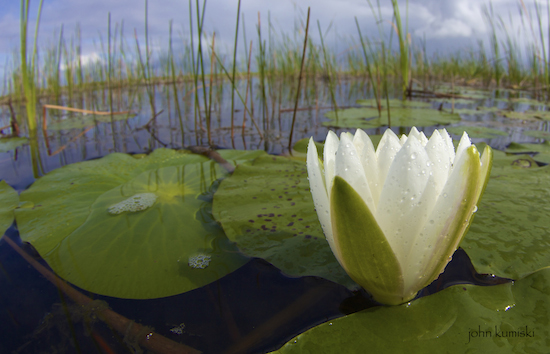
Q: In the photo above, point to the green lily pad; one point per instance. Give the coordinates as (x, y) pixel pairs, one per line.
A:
(537, 134)
(79, 121)
(299, 150)
(509, 236)
(84, 221)
(367, 118)
(477, 132)
(267, 209)
(9, 199)
(8, 144)
(542, 150)
(528, 115)
(508, 318)
(395, 103)
(526, 100)
(480, 110)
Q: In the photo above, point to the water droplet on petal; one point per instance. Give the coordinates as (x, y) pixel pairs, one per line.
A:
(413, 156)
(444, 195)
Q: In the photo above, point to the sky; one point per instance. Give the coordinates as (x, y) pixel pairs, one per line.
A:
(447, 26)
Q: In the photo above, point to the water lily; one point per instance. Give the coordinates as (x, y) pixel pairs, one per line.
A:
(394, 216)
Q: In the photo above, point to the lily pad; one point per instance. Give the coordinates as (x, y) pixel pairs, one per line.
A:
(81, 220)
(267, 209)
(477, 132)
(542, 150)
(508, 318)
(395, 103)
(480, 110)
(299, 150)
(367, 118)
(528, 115)
(8, 144)
(526, 100)
(8, 202)
(79, 121)
(509, 235)
(537, 134)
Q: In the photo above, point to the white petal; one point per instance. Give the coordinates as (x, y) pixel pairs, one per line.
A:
(439, 156)
(367, 156)
(434, 239)
(419, 136)
(464, 144)
(449, 142)
(350, 168)
(399, 215)
(319, 192)
(329, 156)
(387, 149)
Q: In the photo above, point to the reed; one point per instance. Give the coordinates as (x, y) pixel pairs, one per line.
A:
(404, 52)
(234, 71)
(279, 60)
(328, 69)
(28, 69)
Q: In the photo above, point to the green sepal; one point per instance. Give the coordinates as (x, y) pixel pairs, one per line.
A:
(362, 247)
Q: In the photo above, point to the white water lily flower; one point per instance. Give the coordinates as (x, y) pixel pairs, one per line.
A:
(394, 216)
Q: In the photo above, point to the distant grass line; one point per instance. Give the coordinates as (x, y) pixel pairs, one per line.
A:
(62, 72)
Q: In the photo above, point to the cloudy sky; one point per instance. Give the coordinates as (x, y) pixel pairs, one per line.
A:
(447, 25)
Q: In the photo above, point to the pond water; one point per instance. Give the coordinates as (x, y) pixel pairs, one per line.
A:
(256, 307)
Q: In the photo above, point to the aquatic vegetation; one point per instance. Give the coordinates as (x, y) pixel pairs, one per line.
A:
(367, 118)
(509, 317)
(265, 206)
(476, 131)
(160, 213)
(161, 224)
(8, 202)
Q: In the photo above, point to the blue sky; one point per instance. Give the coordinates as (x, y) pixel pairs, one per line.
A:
(447, 25)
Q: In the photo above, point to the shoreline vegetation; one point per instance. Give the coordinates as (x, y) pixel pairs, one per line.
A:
(58, 72)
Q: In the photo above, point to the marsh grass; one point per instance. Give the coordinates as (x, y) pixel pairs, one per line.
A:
(273, 69)
(28, 69)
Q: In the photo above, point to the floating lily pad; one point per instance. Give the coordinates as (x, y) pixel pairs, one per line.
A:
(477, 132)
(508, 318)
(509, 235)
(542, 150)
(8, 144)
(299, 150)
(367, 118)
(537, 134)
(77, 219)
(8, 202)
(79, 121)
(526, 100)
(395, 103)
(480, 110)
(267, 209)
(528, 115)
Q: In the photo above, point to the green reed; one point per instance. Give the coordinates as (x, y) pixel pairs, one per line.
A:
(28, 70)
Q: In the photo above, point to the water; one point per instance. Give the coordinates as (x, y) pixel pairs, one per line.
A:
(252, 310)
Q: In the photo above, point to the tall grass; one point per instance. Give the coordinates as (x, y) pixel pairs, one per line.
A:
(278, 60)
(404, 52)
(28, 69)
